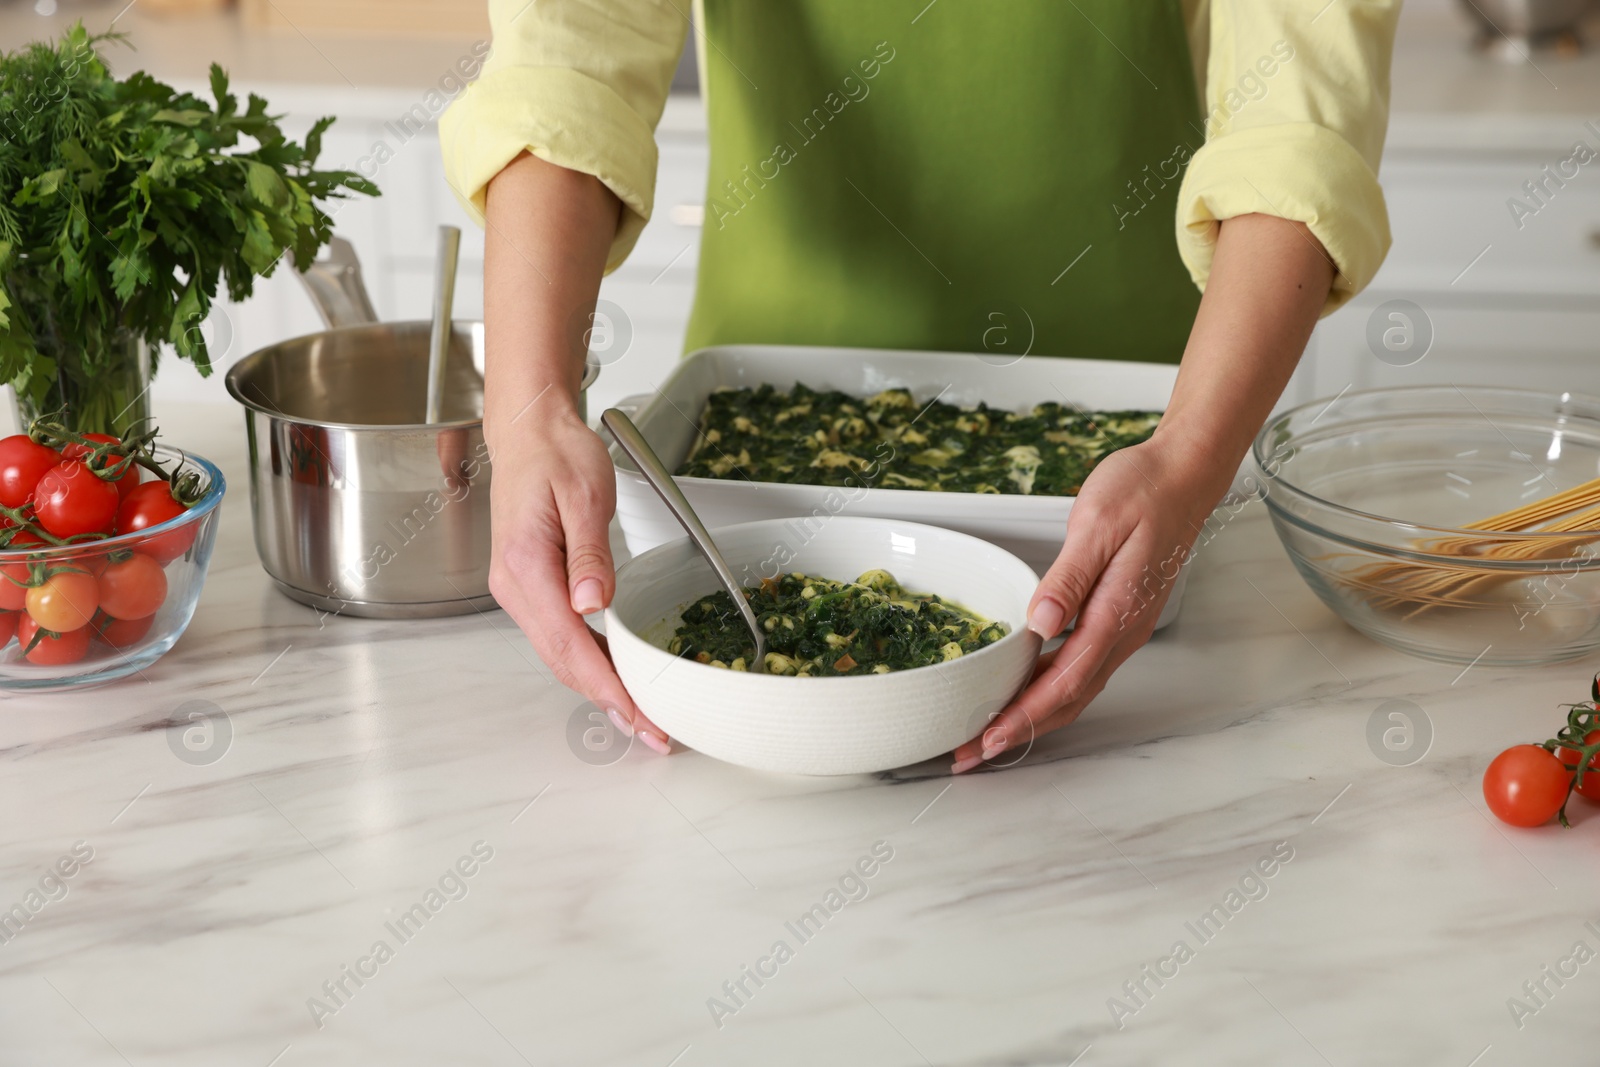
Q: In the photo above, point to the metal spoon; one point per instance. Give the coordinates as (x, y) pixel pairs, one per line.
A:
(627, 435)
(444, 294)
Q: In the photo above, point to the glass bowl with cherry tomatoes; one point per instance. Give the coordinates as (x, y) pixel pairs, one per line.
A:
(104, 546)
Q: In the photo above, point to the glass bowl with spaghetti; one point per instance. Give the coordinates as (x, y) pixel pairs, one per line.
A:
(1455, 523)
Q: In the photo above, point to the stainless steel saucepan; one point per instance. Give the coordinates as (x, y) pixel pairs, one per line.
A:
(361, 506)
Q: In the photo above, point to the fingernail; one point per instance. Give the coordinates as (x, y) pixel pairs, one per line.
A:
(586, 596)
(991, 751)
(622, 724)
(1047, 619)
(657, 742)
(961, 766)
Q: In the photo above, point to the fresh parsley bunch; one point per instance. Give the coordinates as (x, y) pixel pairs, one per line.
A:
(122, 205)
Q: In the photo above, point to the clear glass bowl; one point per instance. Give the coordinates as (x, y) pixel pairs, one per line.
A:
(1370, 493)
(132, 651)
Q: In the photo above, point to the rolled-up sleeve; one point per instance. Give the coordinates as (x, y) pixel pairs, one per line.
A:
(1297, 98)
(578, 83)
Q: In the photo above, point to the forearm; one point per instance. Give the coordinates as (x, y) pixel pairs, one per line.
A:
(1269, 279)
(546, 237)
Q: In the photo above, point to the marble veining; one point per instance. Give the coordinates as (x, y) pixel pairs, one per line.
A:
(1024, 918)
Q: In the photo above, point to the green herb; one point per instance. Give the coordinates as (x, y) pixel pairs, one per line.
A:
(890, 441)
(819, 627)
(123, 204)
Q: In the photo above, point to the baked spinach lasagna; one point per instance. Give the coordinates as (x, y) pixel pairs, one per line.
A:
(817, 627)
(890, 441)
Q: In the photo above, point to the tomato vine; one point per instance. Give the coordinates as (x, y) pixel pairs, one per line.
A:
(1572, 742)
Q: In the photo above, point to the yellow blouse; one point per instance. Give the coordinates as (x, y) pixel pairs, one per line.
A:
(1296, 92)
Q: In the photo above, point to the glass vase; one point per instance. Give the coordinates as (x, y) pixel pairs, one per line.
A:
(114, 401)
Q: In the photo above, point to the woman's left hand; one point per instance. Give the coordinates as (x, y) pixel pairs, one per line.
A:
(1141, 509)
(1128, 532)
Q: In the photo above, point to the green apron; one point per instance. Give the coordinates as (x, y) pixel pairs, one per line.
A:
(992, 177)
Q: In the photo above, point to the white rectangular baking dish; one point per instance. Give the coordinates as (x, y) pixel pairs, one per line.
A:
(1032, 527)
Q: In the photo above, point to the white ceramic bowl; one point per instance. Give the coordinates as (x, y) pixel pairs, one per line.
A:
(850, 725)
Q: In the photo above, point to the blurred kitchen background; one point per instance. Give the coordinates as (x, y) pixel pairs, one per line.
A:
(1473, 291)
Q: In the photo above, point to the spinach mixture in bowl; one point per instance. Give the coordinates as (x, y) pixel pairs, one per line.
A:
(889, 441)
(817, 627)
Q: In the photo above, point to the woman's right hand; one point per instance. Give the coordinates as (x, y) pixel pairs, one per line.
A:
(551, 501)
(548, 231)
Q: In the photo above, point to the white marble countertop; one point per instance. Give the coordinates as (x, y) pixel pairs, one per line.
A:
(366, 759)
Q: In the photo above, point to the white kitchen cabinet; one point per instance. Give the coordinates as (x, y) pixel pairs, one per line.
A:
(1509, 301)
(1454, 230)
(1505, 304)
(1478, 340)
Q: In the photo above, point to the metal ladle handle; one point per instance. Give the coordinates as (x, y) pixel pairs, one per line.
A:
(631, 441)
(444, 294)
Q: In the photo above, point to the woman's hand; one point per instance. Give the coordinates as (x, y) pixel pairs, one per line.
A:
(1141, 508)
(547, 232)
(1127, 534)
(551, 502)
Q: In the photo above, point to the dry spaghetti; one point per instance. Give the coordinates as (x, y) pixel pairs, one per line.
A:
(1439, 583)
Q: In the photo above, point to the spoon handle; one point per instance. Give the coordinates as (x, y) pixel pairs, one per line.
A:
(444, 292)
(627, 435)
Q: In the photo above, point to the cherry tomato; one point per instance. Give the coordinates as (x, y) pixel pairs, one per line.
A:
(53, 650)
(149, 505)
(8, 626)
(1589, 788)
(22, 463)
(1526, 785)
(120, 633)
(133, 588)
(71, 500)
(130, 477)
(65, 601)
(95, 564)
(14, 576)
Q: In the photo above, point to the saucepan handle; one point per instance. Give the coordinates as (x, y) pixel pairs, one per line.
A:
(335, 286)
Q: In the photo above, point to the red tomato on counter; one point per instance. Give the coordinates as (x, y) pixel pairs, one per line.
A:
(1526, 785)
